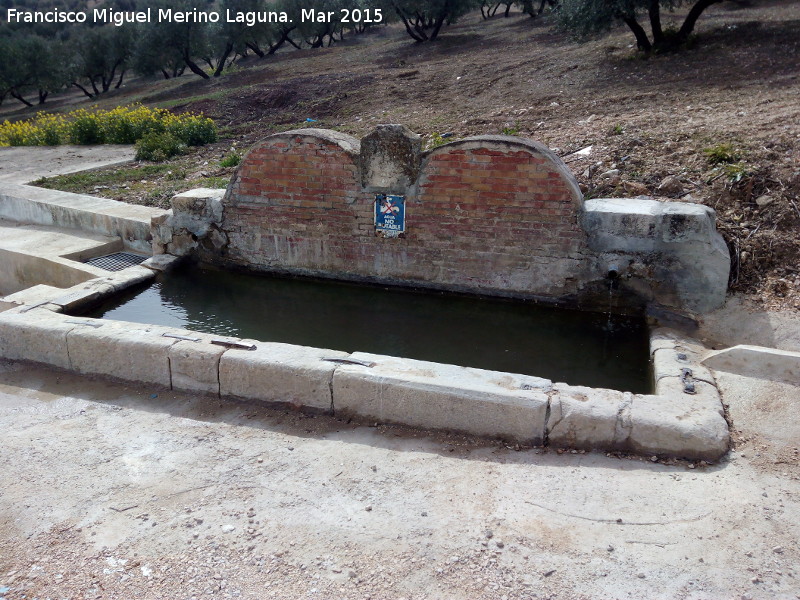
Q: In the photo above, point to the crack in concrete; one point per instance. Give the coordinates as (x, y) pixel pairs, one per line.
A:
(623, 425)
(330, 387)
(66, 345)
(547, 414)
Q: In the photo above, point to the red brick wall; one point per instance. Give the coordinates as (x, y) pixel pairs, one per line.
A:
(487, 214)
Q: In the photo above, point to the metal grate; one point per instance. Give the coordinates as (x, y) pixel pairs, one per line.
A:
(116, 261)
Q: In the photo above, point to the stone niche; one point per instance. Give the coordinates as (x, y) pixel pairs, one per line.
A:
(487, 214)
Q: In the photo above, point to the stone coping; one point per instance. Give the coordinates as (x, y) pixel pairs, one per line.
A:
(40, 206)
(684, 418)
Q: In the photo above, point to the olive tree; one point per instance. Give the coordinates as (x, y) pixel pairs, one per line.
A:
(591, 16)
(423, 19)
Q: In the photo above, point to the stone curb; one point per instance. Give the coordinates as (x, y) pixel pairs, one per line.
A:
(387, 389)
(40, 206)
(757, 361)
(438, 396)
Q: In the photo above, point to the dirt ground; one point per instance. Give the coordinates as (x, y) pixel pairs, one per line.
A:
(116, 492)
(647, 121)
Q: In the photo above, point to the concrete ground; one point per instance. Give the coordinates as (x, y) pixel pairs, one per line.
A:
(115, 491)
(26, 164)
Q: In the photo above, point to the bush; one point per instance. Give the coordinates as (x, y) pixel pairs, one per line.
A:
(232, 160)
(123, 125)
(158, 147)
(85, 129)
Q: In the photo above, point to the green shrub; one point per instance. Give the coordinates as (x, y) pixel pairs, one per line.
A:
(158, 147)
(193, 132)
(232, 160)
(122, 125)
(85, 129)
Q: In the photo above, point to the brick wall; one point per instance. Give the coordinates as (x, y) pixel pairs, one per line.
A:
(495, 214)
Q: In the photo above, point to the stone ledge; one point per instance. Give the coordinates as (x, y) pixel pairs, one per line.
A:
(28, 204)
(274, 372)
(757, 361)
(439, 396)
(421, 394)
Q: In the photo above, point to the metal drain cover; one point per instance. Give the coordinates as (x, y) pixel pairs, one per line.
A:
(116, 261)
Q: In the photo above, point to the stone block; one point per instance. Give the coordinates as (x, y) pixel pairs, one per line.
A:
(196, 210)
(677, 425)
(390, 158)
(436, 396)
(588, 418)
(757, 361)
(194, 365)
(37, 335)
(283, 373)
(123, 350)
(706, 395)
(669, 362)
(162, 262)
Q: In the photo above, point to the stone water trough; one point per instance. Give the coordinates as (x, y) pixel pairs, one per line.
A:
(491, 215)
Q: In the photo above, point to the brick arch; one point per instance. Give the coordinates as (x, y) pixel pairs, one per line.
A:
(503, 193)
(293, 197)
(493, 157)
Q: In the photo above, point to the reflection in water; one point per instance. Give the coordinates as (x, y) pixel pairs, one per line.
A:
(579, 348)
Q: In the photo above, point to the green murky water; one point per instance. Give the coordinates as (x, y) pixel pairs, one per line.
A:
(579, 348)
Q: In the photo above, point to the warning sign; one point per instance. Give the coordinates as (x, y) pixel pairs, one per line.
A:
(390, 214)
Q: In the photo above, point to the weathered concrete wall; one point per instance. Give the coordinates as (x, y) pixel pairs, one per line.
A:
(489, 214)
(39, 206)
(668, 252)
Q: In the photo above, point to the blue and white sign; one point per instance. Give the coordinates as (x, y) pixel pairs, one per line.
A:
(390, 214)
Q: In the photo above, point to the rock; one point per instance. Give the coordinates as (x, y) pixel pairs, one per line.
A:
(489, 534)
(635, 188)
(610, 174)
(500, 544)
(228, 528)
(368, 508)
(641, 575)
(671, 186)
(778, 549)
(764, 201)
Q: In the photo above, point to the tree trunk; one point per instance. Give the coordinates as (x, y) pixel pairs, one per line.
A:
(193, 67)
(83, 89)
(438, 25)
(414, 32)
(94, 86)
(221, 62)
(256, 49)
(119, 81)
(654, 11)
(164, 73)
(641, 37)
(286, 38)
(508, 9)
(691, 19)
(43, 96)
(16, 95)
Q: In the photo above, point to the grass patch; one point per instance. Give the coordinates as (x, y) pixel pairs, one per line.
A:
(146, 184)
(721, 154)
